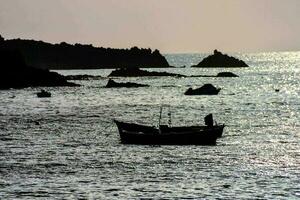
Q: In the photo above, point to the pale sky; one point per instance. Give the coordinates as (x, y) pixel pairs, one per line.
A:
(172, 26)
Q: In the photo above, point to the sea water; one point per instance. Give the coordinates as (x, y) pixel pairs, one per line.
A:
(67, 146)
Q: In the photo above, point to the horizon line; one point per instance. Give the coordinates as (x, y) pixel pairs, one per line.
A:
(162, 52)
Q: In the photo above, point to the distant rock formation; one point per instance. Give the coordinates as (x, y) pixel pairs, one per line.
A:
(136, 72)
(83, 77)
(221, 60)
(44, 55)
(226, 74)
(112, 84)
(207, 89)
(14, 73)
(219, 75)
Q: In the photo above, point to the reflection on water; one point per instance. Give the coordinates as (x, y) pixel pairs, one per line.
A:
(67, 147)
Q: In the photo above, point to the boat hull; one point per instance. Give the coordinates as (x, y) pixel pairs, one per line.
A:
(147, 135)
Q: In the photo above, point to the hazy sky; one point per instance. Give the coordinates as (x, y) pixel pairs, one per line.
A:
(169, 25)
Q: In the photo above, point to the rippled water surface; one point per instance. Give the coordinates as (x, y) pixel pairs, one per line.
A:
(66, 146)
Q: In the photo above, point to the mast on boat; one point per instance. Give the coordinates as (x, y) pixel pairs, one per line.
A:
(160, 116)
(169, 115)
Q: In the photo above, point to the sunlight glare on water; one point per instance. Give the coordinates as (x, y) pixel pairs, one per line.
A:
(66, 147)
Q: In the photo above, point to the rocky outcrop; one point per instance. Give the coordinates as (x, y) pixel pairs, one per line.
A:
(45, 55)
(14, 73)
(84, 77)
(207, 89)
(226, 74)
(219, 59)
(221, 74)
(113, 84)
(136, 72)
(43, 94)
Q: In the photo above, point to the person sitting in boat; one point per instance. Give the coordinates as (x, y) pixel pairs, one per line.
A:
(209, 120)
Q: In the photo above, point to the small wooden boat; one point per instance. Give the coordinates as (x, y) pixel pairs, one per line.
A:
(43, 94)
(131, 133)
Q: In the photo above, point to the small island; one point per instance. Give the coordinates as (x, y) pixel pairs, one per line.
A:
(15, 73)
(136, 72)
(113, 84)
(218, 60)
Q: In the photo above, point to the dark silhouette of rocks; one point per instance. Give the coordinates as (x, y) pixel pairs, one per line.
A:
(221, 74)
(112, 84)
(83, 77)
(16, 74)
(226, 74)
(226, 186)
(43, 94)
(207, 89)
(1, 39)
(40, 54)
(136, 72)
(219, 59)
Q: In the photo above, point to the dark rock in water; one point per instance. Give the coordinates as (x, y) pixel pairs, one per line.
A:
(221, 60)
(226, 74)
(83, 77)
(43, 94)
(136, 72)
(207, 89)
(226, 186)
(111, 84)
(221, 74)
(277, 90)
(16, 74)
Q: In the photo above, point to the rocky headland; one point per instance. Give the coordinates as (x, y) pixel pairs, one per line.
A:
(45, 55)
(15, 73)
